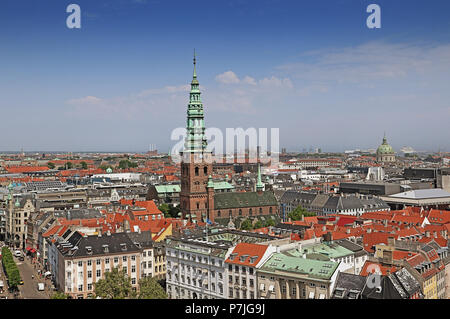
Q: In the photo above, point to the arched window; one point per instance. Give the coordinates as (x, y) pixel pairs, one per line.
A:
(250, 212)
(205, 170)
(270, 210)
(218, 213)
(240, 212)
(196, 171)
(230, 213)
(260, 211)
(198, 205)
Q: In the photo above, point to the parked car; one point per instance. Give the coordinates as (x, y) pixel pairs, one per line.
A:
(21, 282)
(17, 253)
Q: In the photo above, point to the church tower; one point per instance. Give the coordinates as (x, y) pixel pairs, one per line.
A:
(196, 164)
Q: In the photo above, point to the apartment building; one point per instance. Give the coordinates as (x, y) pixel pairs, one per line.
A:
(79, 263)
(241, 269)
(196, 263)
(288, 277)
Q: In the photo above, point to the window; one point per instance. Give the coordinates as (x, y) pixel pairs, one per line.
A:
(89, 286)
(89, 274)
(196, 171)
(80, 264)
(230, 213)
(133, 258)
(240, 212)
(133, 268)
(124, 258)
(250, 212)
(98, 261)
(251, 283)
(106, 260)
(125, 270)
(270, 210)
(205, 170)
(218, 213)
(250, 271)
(133, 281)
(80, 287)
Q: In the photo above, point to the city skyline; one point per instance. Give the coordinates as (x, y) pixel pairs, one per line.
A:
(315, 71)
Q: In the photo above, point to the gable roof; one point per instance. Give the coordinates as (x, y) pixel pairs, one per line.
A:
(244, 199)
(247, 254)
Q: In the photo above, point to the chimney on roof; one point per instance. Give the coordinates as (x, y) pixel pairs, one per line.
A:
(347, 230)
(427, 233)
(435, 234)
(369, 230)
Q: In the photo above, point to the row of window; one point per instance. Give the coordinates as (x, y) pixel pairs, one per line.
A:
(241, 280)
(242, 268)
(250, 212)
(98, 261)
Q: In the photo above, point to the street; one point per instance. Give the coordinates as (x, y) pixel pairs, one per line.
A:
(29, 289)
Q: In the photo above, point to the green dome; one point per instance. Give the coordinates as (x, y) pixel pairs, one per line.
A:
(385, 148)
(109, 170)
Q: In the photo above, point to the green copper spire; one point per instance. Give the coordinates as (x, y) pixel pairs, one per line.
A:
(259, 184)
(195, 126)
(210, 182)
(195, 72)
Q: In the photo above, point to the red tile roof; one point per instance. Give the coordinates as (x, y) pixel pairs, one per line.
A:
(247, 250)
(373, 265)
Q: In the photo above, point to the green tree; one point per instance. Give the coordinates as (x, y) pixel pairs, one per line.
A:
(297, 213)
(149, 288)
(173, 211)
(246, 225)
(123, 164)
(51, 165)
(115, 285)
(269, 222)
(68, 165)
(59, 295)
(164, 208)
(132, 164)
(258, 224)
(84, 165)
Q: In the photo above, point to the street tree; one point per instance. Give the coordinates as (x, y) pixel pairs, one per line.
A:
(149, 288)
(115, 285)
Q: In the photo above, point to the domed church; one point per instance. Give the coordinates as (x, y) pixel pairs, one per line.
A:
(385, 152)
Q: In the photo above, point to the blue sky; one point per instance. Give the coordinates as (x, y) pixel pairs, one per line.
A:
(311, 68)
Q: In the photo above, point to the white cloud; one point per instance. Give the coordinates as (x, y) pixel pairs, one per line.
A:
(249, 80)
(276, 82)
(228, 77)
